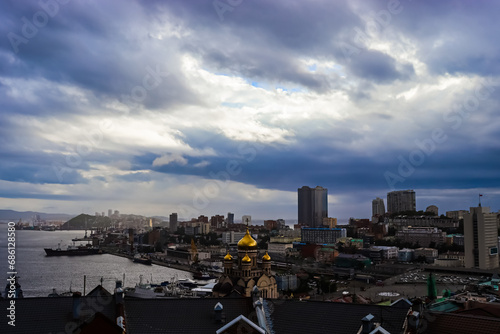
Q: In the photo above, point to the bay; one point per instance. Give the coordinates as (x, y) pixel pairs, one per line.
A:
(39, 274)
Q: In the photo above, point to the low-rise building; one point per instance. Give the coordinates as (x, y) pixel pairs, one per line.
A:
(325, 254)
(232, 237)
(400, 222)
(315, 235)
(457, 239)
(458, 214)
(458, 256)
(430, 254)
(406, 255)
(352, 261)
(287, 282)
(388, 252)
(423, 236)
(278, 248)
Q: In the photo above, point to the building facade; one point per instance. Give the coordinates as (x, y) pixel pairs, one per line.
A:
(322, 235)
(423, 236)
(312, 206)
(401, 200)
(399, 222)
(231, 237)
(430, 254)
(457, 214)
(173, 223)
(378, 207)
(480, 239)
(230, 218)
(405, 255)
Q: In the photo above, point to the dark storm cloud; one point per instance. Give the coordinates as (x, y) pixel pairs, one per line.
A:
(264, 41)
(135, 177)
(454, 36)
(378, 67)
(96, 47)
(106, 49)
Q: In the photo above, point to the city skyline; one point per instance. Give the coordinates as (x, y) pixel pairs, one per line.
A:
(209, 107)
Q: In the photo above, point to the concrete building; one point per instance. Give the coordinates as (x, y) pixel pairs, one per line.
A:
(430, 254)
(480, 239)
(281, 224)
(312, 206)
(388, 252)
(278, 248)
(459, 256)
(270, 225)
(230, 218)
(458, 214)
(287, 282)
(173, 223)
(378, 207)
(401, 200)
(217, 221)
(423, 236)
(205, 228)
(322, 235)
(421, 221)
(330, 222)
(406, 255)
(458, 239)
(231, 237)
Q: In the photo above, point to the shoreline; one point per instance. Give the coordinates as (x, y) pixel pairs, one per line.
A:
(155, 260)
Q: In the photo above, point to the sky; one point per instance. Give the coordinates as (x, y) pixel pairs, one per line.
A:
(209, 107)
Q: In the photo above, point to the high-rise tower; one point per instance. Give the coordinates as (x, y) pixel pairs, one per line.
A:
(378, 207)
(480, 239)
(401, 200)
(312, 206)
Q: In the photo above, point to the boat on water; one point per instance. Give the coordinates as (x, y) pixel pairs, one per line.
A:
(203, 275)
(144, 290)
(186, 283)
(142, 259)
(174, 289)
(73, 250)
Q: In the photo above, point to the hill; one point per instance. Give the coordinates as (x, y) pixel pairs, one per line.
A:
(84, 221)
(11, 215)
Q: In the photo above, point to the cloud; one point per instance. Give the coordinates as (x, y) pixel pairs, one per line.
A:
(156, 95)
(169, 158)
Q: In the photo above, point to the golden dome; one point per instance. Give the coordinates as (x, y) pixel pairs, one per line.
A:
(266, 257)
(228, 256)
(247, 242)
(246, 259)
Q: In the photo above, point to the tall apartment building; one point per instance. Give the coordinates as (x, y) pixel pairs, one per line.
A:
(378, 207)
(312, 206)
(401, 200)
(173, 223)
(230, 218)
(480, 239)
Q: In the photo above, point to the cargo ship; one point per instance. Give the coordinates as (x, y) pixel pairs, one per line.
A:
(73, 250)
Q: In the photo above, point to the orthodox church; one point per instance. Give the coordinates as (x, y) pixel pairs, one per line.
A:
(243, 275)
